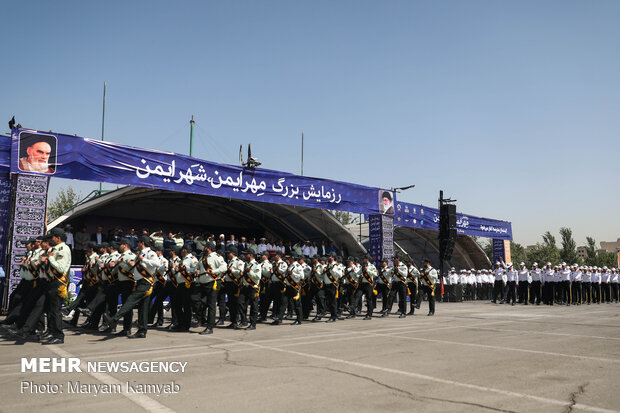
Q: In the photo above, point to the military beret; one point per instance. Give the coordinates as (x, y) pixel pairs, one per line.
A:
(104, 245)
(124, 241)
(145, 239)
(157, 248)
(91, 244)
(210, 245)
(426, 260)
(114, 244)
(350, 259)
(231, 249)
(31, 241)
(46, 237)
(186, 247)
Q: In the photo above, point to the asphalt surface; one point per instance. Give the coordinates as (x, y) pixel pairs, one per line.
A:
(468, 357)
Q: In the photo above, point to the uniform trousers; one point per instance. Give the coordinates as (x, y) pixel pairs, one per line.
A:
(413, 295)
(138, 297)
(367, 290)
(331, 304)
(384, 290)
(291, 294)
(248, 297)
(399, 288)
(535, 292)
(208, 301)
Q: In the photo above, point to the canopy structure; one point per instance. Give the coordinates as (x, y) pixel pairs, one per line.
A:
(423, 243)
(178, 211)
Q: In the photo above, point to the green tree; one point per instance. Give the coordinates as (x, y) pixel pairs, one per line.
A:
(606, 259)
(590, 251)
(344, 217)
(517, 254)
(63, 202)
(545, 252)
(568, 254)
(549, 239)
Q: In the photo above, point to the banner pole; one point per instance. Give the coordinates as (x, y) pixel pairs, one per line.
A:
(102, 124)
(191, 136)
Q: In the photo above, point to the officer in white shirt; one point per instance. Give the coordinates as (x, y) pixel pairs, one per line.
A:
(615, 280)
(564, 284)
(536, 284)
(576, 276)
(498, 283)
(586, 284)
(512, 280)
(524, 284)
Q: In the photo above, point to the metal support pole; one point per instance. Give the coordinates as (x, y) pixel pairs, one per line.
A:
(191, 136)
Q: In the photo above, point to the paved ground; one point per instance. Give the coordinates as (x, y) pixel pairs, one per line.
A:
(469, 357)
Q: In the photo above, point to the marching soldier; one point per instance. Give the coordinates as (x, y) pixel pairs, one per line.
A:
(122, 271)
(428, 277)
(143, 270)
(332, 275)
(266, 274)
(383, 286)
(25, 286)
(399, 287)
(232, 285)
(210, 269)
(88, 287)
(412, 284)
(294, 275)
(55, 263)
(366, 286)
(315, 284)
(250, 287)
(276, 288)
(160, 292)
(184, 274)
(350, 284)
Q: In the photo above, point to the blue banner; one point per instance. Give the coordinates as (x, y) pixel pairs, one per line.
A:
(72, 157)
(420, 216)
(5, 213)
(5, 154)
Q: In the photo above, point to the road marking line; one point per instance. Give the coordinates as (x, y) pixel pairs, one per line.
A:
(431, 378)
(140, 399)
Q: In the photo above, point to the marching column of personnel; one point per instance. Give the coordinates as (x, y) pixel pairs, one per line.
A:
(220, 289)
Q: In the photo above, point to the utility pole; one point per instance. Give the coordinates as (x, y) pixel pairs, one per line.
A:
(302, 153)
(103, 124)
(191, 136)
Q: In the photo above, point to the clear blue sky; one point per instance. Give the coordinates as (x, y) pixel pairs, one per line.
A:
(512, 108)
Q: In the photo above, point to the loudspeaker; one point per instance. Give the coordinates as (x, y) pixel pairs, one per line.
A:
(447, 215)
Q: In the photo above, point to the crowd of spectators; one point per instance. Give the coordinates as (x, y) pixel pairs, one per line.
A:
(80, 240)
